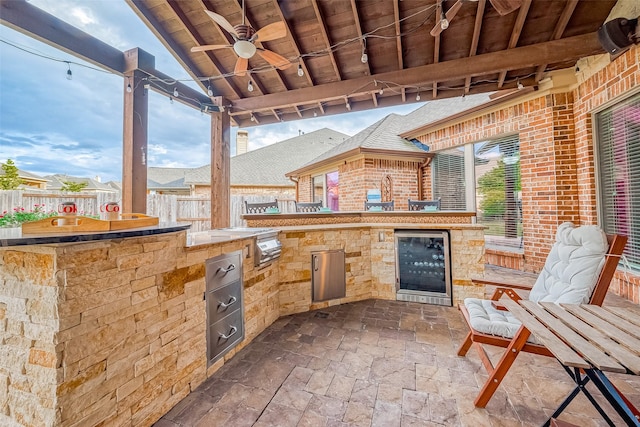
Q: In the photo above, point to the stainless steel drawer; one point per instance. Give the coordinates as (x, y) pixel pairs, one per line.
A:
(222, 271)
(224, 334)
(222, 302)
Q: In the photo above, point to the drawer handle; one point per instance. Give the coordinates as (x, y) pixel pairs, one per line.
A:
(226, 270)
(224, 306)
(232, 332)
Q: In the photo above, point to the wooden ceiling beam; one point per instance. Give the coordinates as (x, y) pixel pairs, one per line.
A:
(561, 25)
(200, 41)
(364, 105)
(515, 34)
(356, 21)
(561, 50)
(325, 36)
(28, 19)
(396, 14)
(475, 39)
(294, 42)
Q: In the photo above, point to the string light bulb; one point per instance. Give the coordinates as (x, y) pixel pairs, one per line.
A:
(250, 86)
(300, 70)
(69, 73)
(171, 100)
(520, 85)
(129, 88)
(175, 92)
(444, 22)
(209, 91)
(315, 114)
(253, 119)
(418, 97)
(364, 58)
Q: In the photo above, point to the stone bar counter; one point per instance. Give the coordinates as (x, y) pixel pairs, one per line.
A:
(110, 328)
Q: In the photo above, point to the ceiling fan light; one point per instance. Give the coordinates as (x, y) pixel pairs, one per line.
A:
(244, 49)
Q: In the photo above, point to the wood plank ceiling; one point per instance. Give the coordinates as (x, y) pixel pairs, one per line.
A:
(480, 51)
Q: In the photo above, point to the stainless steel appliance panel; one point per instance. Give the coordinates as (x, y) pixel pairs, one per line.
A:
(328, 275)
(225, 334)
(224, 304)
(221, 272)
(223, 301)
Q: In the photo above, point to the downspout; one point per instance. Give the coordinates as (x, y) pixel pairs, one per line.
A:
(295, 180)
(424, 164)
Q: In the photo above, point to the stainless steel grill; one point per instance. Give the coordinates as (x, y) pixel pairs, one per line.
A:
(268, 248)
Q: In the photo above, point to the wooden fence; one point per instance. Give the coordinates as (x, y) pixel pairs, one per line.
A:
(168, 208)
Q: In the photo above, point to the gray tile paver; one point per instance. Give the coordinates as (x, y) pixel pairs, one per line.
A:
(378, 363)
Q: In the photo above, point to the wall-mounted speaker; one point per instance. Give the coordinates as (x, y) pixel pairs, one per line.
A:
(617, 34)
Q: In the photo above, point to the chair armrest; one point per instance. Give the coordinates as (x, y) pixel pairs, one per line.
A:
(500, 291)
(480, 281)
(498, 306)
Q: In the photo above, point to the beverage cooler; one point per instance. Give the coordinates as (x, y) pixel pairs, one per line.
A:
(423, 266)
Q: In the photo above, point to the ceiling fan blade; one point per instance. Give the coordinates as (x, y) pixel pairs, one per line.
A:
(274, 59)
(209, 47)
(273, 31)
(222, 21)
(437, 29)
(505, 6)
(241, 66)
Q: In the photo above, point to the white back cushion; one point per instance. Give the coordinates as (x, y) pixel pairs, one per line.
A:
(572, 267)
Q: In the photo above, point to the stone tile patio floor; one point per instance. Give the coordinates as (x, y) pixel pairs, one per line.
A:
(381, 363)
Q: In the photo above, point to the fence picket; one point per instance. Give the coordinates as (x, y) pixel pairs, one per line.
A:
(168, 208)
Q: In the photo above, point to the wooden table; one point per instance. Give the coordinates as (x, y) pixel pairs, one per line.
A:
(589, 341)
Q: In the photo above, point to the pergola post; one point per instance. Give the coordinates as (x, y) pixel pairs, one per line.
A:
(135, 126)
(220, 166)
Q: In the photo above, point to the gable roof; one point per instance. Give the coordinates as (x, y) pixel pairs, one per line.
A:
(384, 135)
(267, 166)
(58, 180)
(167, 178)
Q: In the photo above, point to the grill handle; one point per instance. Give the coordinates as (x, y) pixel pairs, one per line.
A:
(226, 270)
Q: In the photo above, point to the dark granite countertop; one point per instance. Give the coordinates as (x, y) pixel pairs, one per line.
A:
(14, 236)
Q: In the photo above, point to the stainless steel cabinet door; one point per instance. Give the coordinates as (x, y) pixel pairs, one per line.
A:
(328, 275)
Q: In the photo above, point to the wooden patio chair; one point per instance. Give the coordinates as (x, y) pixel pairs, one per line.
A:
(584, 255)
(386, 206)
(254, 208)
(308, 207)
(418, 205)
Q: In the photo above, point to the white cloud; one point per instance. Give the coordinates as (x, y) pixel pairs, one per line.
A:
(156, 149)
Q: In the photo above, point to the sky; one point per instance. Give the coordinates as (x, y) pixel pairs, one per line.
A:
(49, 124)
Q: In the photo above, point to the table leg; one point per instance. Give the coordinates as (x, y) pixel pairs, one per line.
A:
(612, 394)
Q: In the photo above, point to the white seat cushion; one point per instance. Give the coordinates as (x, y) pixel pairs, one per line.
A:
(569, 276)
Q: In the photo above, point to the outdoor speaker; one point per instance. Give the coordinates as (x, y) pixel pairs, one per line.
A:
(617, 34)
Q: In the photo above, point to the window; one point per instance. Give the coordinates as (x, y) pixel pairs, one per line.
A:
(498, 191)
(617, 129)
(449, 179)
(326, 190)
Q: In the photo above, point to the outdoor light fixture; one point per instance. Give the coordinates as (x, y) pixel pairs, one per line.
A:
(250, 86)
(300, 70)
(244, 49)
(444, 22)
(364, 58)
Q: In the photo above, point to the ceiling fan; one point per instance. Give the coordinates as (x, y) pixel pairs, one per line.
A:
(503, 7)
(244, 37)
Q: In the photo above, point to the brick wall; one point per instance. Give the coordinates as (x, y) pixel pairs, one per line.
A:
(609, 84)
